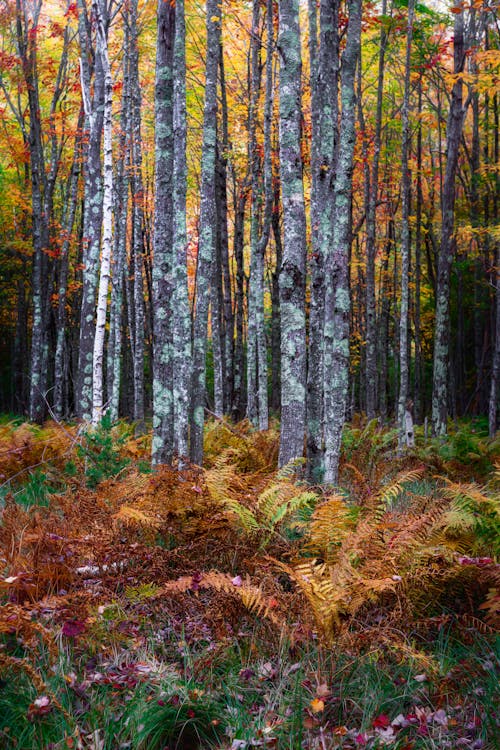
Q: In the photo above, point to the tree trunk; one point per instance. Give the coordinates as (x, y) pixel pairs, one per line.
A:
(371, 233)
(206, 243)
(404, 437)
(163, 429)
(442, 335)
(293, 269)
(324, 113)
(114, 364)
(136, 184)
(107, 229)
(337, 293)
(182, 317)
(93, 213)
(60, 372)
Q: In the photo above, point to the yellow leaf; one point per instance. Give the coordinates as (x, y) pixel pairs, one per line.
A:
(317, 705)
(214, 19)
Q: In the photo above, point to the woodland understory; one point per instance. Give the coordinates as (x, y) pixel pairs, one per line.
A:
(249, 374)
(236, 606)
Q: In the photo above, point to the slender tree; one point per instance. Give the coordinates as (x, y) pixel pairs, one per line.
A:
(206, 243)
(162, 445)
(93, 198)
(337, 294)
(440, 380)
(324, 113)
(182, 317)
(404, 418)
(293, 269)
(107, 208)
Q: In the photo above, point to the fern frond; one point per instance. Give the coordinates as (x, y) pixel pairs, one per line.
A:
(250, 596)
(330, 523)
(243, 516)
(386, 496)
(133, 515)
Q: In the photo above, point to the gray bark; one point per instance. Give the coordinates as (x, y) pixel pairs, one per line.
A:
(371, 212)
(114, 368)
(182, 318)
(137, 187)
(337, 294)
(206, 243)
(60, 371)
(324, 113)
(92, 218)
(257, 402)
(442, 337)
(293, 269)
(162, 445)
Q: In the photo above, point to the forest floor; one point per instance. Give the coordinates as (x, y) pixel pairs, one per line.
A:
(235, 606)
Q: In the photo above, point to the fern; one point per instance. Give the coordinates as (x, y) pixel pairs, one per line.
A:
(249, 595)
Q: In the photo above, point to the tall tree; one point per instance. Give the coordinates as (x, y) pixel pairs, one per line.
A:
(137, 187)
(371, 229)
(121, 199)
(93, 197)
(162, 445)
(293, 269)
(182, 317)
(337, 293)
(405, 426)
(440, 378)
(206, 242)
(324, 115)
(107, 209)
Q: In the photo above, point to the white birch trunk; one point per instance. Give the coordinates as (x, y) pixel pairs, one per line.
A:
(107, 228)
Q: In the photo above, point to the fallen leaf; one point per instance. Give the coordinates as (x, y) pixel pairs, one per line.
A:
(381, 721)
(317, 705)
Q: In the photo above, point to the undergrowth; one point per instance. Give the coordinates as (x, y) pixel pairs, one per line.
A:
(235, 606)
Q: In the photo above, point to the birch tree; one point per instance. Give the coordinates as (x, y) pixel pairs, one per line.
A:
(107, 229)
(405, 434)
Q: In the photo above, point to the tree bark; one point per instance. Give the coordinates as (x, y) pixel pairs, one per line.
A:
(92, 218)
(293, 269)
(182, 317)
(337, 293)
(206, 243)
(324, 114)
(107, 229)
(404, 437)
(442, 335)
(163, 430)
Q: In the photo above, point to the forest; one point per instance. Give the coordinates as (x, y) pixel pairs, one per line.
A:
(249, 374)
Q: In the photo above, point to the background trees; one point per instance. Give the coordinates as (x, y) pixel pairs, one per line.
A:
(283, 174)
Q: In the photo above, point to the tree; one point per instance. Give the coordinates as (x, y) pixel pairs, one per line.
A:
(162, 446)
(440, 378)
(293, 270)
(93, 199)
(337, 294)
(206, 242)
(405, 430)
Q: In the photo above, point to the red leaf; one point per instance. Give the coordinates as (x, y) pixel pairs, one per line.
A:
(73, 628)
(381, 721)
